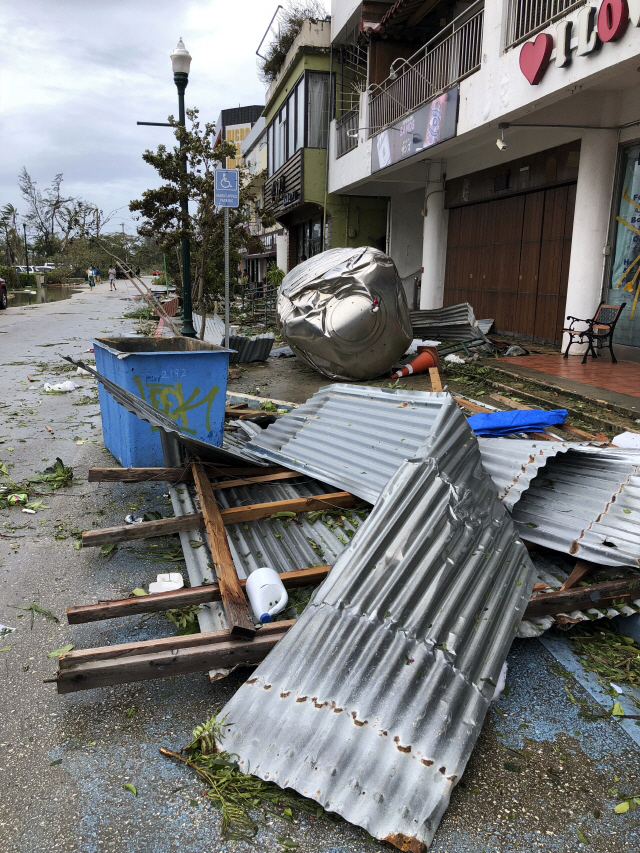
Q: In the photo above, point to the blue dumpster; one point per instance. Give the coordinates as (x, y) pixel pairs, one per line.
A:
(184, 378)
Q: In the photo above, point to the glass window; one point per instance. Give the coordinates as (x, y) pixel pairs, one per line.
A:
(625, 269)
(291, 126)
(318, 106)
(270, 149)
(300, 112)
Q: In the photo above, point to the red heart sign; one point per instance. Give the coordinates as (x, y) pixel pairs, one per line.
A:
(534, 57)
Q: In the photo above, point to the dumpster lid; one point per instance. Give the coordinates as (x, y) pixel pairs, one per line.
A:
(123, 347)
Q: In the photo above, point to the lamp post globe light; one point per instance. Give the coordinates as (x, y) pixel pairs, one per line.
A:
(181, 63)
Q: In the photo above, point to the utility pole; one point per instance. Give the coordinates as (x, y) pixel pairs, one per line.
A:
(26, 250)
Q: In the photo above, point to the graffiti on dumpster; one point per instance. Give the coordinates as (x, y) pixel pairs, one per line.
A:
(169, 399)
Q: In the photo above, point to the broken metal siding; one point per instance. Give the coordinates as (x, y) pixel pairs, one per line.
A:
(372, 702)
(247, 349)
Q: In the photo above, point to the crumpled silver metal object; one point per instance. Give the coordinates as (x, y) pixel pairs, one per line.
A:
(345, 313)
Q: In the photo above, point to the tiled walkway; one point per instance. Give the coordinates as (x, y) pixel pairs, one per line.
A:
(623, 377)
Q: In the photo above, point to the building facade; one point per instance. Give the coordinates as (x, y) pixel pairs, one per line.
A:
(254, 156)
(299, 105)
(234, 125)
(506, 137)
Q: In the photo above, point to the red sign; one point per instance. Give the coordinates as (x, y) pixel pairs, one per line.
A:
(534, 57)
(612, 22)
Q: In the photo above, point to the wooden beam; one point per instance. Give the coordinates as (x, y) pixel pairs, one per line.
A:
(249, 481)
(194, 521)
(173, 475)
(144, 530)
(297, 505)
(164, 644)
(506, 401)
(222, 654)
(159, 601)
(579, 571)
(583, 597)
(472, 407)
(233, 600)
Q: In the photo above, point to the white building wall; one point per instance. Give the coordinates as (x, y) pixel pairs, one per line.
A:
(405, 236)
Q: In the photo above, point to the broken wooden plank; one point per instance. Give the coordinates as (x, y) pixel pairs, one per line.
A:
(222, 654)
(233, 599)
(472, 407)
(583, 597)
(579, 571)
(506, 401)
(159, 601)
(434, 376)
(163, 644)
(173, 475)
(252, 512)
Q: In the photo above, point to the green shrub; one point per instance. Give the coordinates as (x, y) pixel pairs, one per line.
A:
(27, 279)
(56, 276)
(10, 276)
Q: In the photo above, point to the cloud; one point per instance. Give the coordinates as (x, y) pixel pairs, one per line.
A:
(78, 74)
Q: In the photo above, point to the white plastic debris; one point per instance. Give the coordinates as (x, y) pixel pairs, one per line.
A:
(454, 359)
(133, 519)
(83, 372)
(29, 511)
(61, 386)
(627, 439)
(617, 687)
(416, 342)
(167, 583)
(502, 681)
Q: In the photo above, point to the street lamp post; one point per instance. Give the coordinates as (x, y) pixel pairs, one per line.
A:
(181, 62)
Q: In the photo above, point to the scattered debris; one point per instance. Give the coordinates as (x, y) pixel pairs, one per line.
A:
(60, 387)
(34, 608)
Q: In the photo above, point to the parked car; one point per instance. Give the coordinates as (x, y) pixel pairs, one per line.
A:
(3, 294)
(156, 272)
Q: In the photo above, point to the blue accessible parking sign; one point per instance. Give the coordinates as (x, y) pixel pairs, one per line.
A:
(227, 188)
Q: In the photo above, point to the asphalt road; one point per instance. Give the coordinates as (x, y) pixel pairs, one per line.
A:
(64, 759)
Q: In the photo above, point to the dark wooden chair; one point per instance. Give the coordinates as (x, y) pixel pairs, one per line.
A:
(599, 331)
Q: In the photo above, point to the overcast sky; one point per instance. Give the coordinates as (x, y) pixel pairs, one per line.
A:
(76, 75)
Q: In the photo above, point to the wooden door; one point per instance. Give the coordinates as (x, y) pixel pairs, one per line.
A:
(509, 258)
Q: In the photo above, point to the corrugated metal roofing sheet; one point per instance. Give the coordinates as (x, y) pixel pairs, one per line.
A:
(352, 436)
(513, 463)
(586, 503)
(256, 348)
(373, 701)
(456, 322)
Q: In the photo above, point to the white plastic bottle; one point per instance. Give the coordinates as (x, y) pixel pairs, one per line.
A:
(266, 593)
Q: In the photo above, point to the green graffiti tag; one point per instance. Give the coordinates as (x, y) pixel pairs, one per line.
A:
(169, 399)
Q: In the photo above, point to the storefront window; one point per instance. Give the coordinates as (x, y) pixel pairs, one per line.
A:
(625, 269)
(309, 239)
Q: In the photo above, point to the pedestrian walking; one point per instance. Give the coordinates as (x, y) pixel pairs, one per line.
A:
(137, 270)
(91, 277)
(112, 278)
(98, 276)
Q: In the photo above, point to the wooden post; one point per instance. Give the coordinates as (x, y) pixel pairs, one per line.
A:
(233, 600)
(434, 376)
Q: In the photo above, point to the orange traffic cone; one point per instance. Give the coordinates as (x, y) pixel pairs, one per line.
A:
(419, 364)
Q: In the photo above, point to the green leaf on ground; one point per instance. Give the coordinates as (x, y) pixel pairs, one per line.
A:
(582, 838)
(138, 591)
(105, 550)
(61, 651)
(617, 710)
(131, 712)
(512, 768)
(196, 543)
(55, 763)
(129, 787)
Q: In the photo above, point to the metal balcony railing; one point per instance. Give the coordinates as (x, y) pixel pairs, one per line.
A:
(345, 125)
(452, 55)
(527, 17)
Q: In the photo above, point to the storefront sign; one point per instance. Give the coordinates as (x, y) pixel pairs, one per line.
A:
(593, 27)
(425, 127)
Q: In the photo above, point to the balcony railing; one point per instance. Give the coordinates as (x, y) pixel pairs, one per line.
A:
(527, 17)
(345, 125)
(452, 55)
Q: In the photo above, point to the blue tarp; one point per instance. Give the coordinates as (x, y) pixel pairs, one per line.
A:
(521, 420)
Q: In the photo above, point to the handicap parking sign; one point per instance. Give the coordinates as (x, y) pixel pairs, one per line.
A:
(227, 188)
